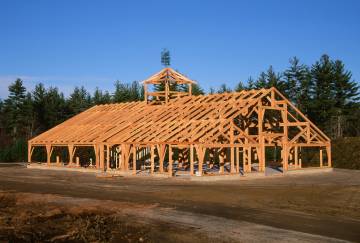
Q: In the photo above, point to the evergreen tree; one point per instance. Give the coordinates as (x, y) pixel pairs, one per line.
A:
(195, 89)
(79, 100)
(39, 95)
(240, 86)
(251, 83)
(322, 105)
(121, 93)
(270, 79)
(224, 89)
(101, 98)
(298, 84)
(15, 110)
(56, 108)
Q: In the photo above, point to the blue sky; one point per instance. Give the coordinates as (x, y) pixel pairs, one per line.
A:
(93, 43)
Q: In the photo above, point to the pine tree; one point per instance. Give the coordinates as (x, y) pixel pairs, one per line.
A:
(100, 98)
(240, 87)
(195, 89)
(56, 108)
(323, 95)
(224, 89)
(297, 86)
(15, 110)
(39, 95)
(79, 100)
(346, 96)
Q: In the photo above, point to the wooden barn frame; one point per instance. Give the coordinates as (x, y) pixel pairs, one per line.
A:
(173, 131)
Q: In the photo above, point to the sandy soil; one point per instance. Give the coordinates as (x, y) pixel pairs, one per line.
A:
(57, 206)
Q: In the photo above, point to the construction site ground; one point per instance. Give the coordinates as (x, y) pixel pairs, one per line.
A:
(67, 206)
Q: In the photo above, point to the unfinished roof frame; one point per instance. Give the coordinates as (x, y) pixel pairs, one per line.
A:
(231, 128)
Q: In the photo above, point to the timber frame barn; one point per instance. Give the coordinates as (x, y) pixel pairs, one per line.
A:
(174, 132)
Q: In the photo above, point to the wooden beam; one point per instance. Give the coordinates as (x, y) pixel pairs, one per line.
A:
(107, 157)
(328, 152)
(321, 157)
(152, 158)
(191, 159)
(170, 167)
(48, 153)
(237, 154)
(134, 159)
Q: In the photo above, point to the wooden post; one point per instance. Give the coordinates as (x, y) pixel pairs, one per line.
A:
(201, 153)
(328, 153)
(71, 153)
(191, 159)
(221, 160)
(161, 151)
(237, 160)
(101, 153)
(300, 158)
(145, 93)
(107, 157)
(97, 156)
(170, 169)
(296, 157)
(77, 161)
(232, 159)
(190, 89)
(249, 159)
(285, 157)
(152, 158)
(29, 152)
(134, 159)
(57, 160)
(321, 157)
(48, 153)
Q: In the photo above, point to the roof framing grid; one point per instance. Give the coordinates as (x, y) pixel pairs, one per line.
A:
(247, 119)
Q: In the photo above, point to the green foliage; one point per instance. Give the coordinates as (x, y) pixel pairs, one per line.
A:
(346, 153)
(224, 89)
(195, 89)
(324, 91)
(100, 98)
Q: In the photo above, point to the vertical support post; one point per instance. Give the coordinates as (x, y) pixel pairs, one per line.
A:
(71, 153)
(190, 89)
(145, 93)
(29, 152)
(237, 154)
(232, 159)
(296, 157)
(249, 159)
(170, 168)
(77, 161)
(101, 153)
(300, 158)
(97, 157)
(272, 98)
(221, 160)
(201, 153)
(152, 158)
(161, 151)
(285, 157)
(261, 150)
(321, 157)
(57, 160)
(191, 159)
(134, 159)
(48, 153)
(328, 153)
(107, 157)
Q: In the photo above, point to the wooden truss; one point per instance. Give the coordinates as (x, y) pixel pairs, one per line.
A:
(190, 132)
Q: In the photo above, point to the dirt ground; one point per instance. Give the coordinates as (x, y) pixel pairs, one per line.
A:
(57, 206)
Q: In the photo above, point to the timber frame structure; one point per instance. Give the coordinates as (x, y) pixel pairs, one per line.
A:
(172, 131)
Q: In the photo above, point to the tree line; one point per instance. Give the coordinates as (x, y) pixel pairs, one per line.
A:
(324, 91)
